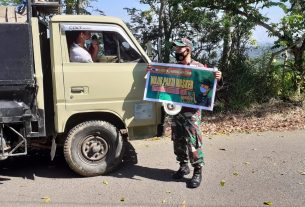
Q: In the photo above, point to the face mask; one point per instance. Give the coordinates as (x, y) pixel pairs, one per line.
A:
(87, 43)
(203, 90)
(180, 56)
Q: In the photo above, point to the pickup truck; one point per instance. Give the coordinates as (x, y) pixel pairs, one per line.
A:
(90, 109)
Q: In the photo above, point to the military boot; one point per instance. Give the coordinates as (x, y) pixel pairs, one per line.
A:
(196, 179)
(183, 170)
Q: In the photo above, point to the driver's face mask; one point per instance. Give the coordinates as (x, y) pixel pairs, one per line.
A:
(87, 43)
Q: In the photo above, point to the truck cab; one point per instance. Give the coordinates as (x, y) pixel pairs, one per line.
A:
(89, 108)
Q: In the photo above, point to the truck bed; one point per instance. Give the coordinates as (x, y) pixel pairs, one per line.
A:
(17, 82)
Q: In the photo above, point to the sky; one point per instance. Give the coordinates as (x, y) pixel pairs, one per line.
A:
(116, 8)
(260, 33)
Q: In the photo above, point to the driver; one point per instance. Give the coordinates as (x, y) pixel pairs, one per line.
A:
(78, 51)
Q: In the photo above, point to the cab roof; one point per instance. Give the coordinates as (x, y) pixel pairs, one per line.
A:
(86, 18)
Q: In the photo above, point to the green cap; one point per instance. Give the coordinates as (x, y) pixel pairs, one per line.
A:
(183, 42)
(206, 82)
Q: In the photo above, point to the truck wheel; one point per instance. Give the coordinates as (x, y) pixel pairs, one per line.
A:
(93, 148)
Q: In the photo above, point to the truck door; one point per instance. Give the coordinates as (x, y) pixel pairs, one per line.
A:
(114, 83)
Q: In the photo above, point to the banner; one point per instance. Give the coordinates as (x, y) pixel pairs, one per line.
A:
(184, 85)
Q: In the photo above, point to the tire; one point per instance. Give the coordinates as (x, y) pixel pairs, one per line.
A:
(93, 148)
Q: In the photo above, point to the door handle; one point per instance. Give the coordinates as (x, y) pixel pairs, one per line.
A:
(77, 89)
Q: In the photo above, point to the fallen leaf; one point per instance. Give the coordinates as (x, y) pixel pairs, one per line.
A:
(122, 199)
(268, 203)
(247, 163)
(183, 204)
(168, 191)
(46, 199)
(105, 182)
(235, 173)
(254, 149)
(222, 183)
(223, 149)
(210, 137)
(164, 201)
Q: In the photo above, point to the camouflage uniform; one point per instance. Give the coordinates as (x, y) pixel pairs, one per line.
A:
(187, 135)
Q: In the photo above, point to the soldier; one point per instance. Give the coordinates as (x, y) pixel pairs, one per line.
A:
(186, 133)
(203, 98)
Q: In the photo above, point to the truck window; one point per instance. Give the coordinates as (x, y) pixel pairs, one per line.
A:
(112, 47)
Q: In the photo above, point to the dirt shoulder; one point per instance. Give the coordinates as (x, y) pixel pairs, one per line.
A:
(273, 116)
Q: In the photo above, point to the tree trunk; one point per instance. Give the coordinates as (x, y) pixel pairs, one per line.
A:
(227, 39)
(167, 49)
(298, 67)
(161, 16)
(77, 7)
(167, 32)
(284, 72)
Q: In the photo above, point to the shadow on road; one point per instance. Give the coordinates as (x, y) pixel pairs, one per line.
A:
(38, 164)
(134, 171)
(129, 169)
(3, 179)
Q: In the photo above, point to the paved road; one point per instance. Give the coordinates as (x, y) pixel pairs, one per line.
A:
(256, 168)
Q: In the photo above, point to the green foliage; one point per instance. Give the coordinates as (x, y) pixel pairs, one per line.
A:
(289, 32)
(248, 81)
(77, 6)
(165, 21)
(239, 92)
(287, 89)
(10, 2)
(268, 83)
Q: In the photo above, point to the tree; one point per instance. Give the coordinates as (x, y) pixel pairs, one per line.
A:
(166, 20)
(76, 6)
(156, 24)
(210, 29)
(289, 31)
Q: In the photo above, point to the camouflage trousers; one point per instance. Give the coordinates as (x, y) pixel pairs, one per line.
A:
(187, 137)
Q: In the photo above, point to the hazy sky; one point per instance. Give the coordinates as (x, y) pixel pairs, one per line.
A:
(260, 33)
(115, 8)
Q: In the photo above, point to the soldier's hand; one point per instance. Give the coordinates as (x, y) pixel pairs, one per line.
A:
(218, 75)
